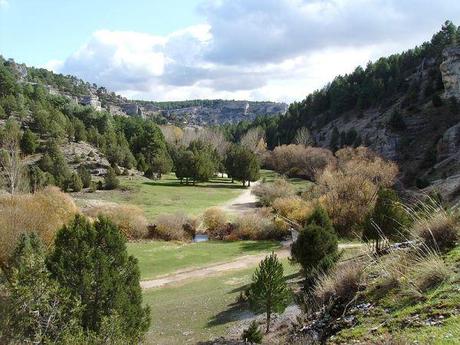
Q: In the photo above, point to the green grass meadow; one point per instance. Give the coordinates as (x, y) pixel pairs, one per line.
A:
(158, 258)
(199, 310)
(168, 196)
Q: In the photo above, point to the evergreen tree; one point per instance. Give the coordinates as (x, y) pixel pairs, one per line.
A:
(92, 262)
(29, 142)
(316, 248)
(396, 121)
(111, 180)
(335, 139)
(388, 219)
(242, 164)
(38, 309)
(253, 334)
(77, 184)
(268, 291)
(85, 176)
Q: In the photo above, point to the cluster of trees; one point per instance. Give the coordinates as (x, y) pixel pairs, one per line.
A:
(83, 290)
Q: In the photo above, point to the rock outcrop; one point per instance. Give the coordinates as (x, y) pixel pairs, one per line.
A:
(450, 70)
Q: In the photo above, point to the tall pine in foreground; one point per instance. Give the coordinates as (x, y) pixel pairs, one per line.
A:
(92, 262)
(269, 292)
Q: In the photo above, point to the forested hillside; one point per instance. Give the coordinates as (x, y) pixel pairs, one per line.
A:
(402, 106)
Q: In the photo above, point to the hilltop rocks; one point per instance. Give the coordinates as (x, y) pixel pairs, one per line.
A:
(450, 70)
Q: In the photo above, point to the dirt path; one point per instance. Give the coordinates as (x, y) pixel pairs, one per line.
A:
(242, 262)
(245, 202)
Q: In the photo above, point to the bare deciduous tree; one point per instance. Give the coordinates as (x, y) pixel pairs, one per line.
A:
(303, 137)
(11, 164)
(254, 140)
(173, 134)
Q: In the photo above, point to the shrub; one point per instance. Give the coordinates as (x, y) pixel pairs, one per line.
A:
(110, 179)
(91, 261)
(269, 191)
(214, 219)
(316, 250)
(429, 271)
(293, 208)
(438, 230)
(253, 226)
(298, 160)
(342, 284)
(252, 335)
(349, 192)
(43, 212)
(174, 227)
(388, 220)
(130, 219)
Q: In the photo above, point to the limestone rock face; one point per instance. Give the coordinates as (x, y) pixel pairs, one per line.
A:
(450, 70)
(449, 144)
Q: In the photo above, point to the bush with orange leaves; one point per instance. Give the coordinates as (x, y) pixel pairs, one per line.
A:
(294, 208)
(130, 219)
(43, 212)
(298, 160)
(349, 192)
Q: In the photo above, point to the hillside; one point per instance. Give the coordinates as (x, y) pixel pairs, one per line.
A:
(405, 107)
(182, 113)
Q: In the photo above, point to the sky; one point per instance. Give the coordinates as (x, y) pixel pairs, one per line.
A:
(278, 50)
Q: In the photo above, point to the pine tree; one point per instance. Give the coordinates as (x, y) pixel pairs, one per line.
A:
(253, 334)
(269, 291)
(111, 180)
(316, 248)
(77, 184)
(38, 309)
(29, 142)
(387, 220)
(92, 262)
(85, 176)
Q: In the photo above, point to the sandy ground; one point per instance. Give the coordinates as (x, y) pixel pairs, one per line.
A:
(243, 203)
(242, 262)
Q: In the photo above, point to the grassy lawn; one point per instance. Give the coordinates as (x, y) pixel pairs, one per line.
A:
(198, 310)
(269, 176)
(158, 258)
(169, 196)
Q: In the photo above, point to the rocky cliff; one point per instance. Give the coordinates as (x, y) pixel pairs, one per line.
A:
(427, 148)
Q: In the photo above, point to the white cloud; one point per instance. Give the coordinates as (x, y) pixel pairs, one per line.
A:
(256, 49)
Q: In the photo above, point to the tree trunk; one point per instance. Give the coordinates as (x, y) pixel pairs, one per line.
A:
(249, 183)
(268, 320)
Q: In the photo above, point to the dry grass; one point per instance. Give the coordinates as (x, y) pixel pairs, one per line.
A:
(44, 213)
(428, 271)
(130, 219)
(439, 230)
(342, 283)
(174, 227)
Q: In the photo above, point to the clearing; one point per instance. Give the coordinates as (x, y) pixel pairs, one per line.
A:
(166, 196)
(158, 258)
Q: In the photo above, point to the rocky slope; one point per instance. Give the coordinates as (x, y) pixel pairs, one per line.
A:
(427, 148)
(193, 112)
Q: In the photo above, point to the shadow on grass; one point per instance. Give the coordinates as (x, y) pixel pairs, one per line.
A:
(220, 184)
(235, 312)
(259, 246)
